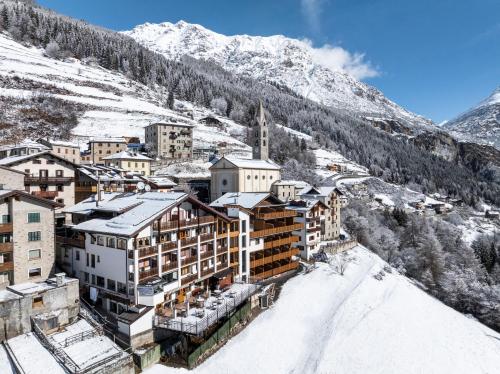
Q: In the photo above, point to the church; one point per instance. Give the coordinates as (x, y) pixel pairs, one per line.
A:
(230, 174)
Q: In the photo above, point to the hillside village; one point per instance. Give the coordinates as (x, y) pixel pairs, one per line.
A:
(142, 232)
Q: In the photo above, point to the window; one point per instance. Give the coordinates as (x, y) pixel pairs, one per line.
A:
(60, 187)
(110, 242)
(264, 134)
(34, 236)
(58, 150)
(86, 277)
(77, 255)
(37, 302)
(248, 176)
(34, 254)
(244, 241)
(59, 173)
(35, 272)
(100, 240)
(37, 161)
(121, 244)
(111, 285)
(243, 226)
(100, 281)
(121, 287)
(50, 162)
(92, 260)
(5, 218)
(256, 177)
(264, 143)
(33, 217)
(93, 279)
(98, 259)
(60, 201)
(92, 239)
(27, 171)
(224, 182)
(112, 307)
(87, 259)
(263, 177)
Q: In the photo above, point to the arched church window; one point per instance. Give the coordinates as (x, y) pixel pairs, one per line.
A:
(256, 177)
(248, 176)
(256, 143)
(224, 182)
(264, 134)
(264, 143)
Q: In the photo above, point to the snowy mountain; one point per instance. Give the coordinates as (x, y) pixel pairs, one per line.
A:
(369, 320)
(480, 124)
(289, 62)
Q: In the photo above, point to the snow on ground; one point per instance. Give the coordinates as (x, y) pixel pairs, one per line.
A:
(5, 365)
(298, 134)
(327, 323)
(32, 356)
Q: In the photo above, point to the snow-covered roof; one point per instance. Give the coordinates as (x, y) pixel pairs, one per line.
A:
(246, 200)
(89, 204)
(125, 155)
(63, 143)
(14, 159)
(178, 124)
(297, 184)
(8, 193)
(107, 140)
(323, 191)
(26, 143)
(250, 163)
(308, 204)
(161, 181)
(140, 209)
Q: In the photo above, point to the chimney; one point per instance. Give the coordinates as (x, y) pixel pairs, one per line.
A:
(60, 277)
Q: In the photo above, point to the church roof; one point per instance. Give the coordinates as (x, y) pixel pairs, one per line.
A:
(250, 163)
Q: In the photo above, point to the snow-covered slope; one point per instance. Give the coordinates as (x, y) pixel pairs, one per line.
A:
(327, 323)
(115, 105)
(289, 62)
(480, 124)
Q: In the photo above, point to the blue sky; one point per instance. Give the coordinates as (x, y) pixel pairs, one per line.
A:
(436, 58)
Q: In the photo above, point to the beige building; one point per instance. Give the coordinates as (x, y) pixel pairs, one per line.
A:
(331, 197)
(288, 190)
(132, 162)
(27, 242)
(46, 175)
(69, 151)
(103, 147)
(169, 140)
(239, 175)
(11, 179)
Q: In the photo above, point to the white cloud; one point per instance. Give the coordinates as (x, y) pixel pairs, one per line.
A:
(311, 9)
(338, 59)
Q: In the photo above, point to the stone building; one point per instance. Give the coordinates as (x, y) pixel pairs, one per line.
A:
(288, 190)
(172, 141)
(27, 251)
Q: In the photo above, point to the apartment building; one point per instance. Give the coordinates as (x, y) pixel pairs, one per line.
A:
(266, 233)
(26, 147)
(288, 190)
(26, 237)
(46, 175)
(311, 216)
(230, 174)
(131, 162)
(153, 249)
(67, 150)
(103, 147)
(331, 197)
(170, 140)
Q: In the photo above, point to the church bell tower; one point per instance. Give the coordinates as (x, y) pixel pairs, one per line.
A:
(260, 135)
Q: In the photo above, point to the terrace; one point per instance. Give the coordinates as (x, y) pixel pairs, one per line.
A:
(203, 312)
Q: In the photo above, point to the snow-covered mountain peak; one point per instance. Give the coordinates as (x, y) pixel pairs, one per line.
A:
(316, 73)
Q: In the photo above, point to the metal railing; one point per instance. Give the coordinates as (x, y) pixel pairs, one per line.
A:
(211, 316)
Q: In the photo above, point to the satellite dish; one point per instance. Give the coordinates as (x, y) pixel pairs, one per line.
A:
(140, 186)
(147, 188)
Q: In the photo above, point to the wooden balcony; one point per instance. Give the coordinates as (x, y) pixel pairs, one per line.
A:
(206, 237)
(170, 266)
(208, 271)
(7, 266)
(270, 258)
(172, 225)
(168, 246)
(189, 279)
(222, 265)
(73, 242)
(189, 260)
(206, 254)
(45, 194)
(280, 242)
(147, 251)
(148, 273)
(276, 271)
(276, 230)
(274, 215)
(6, 247)
(5, 227)
(234, 249)
(36, 179)
(189, 241)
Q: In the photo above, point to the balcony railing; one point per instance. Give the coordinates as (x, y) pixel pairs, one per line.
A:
(234, 249)
(74, 242)
(168, 246)
(148, 273)
(5, 227)
(189, 241)
(206, 254)
(170, 266)
(278, 270)
(208, 271)
(172, 225)
(273, 257)
(189, 279)
(147, 251)
(189, 260)
(276, 230)
(206, 237)
(222, 265)
(7, 266)
(6, 247)
(273, 215)
(280, 242)
(36, 179)
(45, 194)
